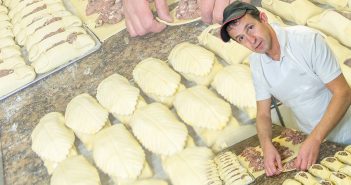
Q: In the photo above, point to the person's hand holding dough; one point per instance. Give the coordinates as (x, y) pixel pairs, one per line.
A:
(139, 18)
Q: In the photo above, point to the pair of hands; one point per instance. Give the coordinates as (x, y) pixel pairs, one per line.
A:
(140, 20)
(307, 156)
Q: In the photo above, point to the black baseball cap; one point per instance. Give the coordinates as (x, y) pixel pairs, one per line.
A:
(235, 10)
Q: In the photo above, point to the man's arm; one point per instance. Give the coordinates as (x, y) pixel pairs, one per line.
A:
(336, 109)
(272, 160)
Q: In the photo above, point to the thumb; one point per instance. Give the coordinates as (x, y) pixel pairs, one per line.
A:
(163, 10)
(279, 162)
(157, 26)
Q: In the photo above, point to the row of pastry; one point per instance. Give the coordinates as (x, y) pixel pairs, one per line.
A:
(332, 170)
(14, 72)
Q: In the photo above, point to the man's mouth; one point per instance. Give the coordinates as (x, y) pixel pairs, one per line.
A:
(258, 46)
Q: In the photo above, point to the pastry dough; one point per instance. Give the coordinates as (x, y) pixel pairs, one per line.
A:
(206, 79)
(200, 107)
(319, 171)
(9, 52)
(88, 139)
(188, 167)
(332, 163)
(344, 157)
(154, 76)
(41, 47)
(340, 179)
(166, 100)
(334, 24)
(150, 182)
(176, 21)
(3, 9)
(52, 165)
(84, 114)
(42, 33)
(75, 171)
(4, 17)
(291, 182)
(15, 77)
(271, 17)
(31, 19)
(126, 118)
(6, 31)
(346, 170)
(324, 182)
(6, 25)
(288, 10)
(348, 148)
(51, 139)
(212, 174)
(6, 42)
(235, 84)
(343, 55)
(338, 4)
(158, 129)
(24, 3)
(305, 178)
(63, 53)
(12, 62)
(117, 95)
(117, 153)
(232, 52)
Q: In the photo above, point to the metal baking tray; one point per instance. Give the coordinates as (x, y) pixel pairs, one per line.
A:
(44, 75)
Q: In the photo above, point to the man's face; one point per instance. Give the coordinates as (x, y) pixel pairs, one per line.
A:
(251, 33)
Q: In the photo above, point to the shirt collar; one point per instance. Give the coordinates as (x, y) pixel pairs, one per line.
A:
(282, 37)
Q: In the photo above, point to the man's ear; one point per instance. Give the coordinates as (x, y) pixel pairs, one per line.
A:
(263, 17)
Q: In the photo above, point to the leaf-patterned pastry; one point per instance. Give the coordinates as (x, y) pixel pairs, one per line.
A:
(319, 171)
(343, 156)
(332, 23)
(156, 77)
(75, 171)
(51, 139)
(305, 178)
(235, 84)
(84, 114)
(188, 167)
(52, 165)
(117, 95)
(287, 10)
(200, 107)
(223, 49)
(166, 100)
(158, 129)
(117, 153)
(332, 163)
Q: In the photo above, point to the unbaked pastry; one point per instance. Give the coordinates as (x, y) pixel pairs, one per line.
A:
(271, 17)
(334, 24)
(188, 167)
(3, 9)
(88, 139)
(146, 173)
(24, 3)
(200, 107)
(9, 51)
(51, 139)
(117, 153)
(212, 174)
(291, 182)
(158, 129)
(305, 178)
(84, 114)
(177, 21)
(4, 17)
(15, 77)
(6, 31)
(119, 97)
(340, 179)
(343, 156)
(194, 62)
(288, 10)
(51, 29)
(75, 171)
(232, 52)
(6, 42)
(166, 100)
(62, 52)
(348, 149)
(346, 170)
(235, 84)
(319, 171)
(332, 163)
(150, 182)
(338, 4)
(51, 165)
(12, 62)
(324, 182)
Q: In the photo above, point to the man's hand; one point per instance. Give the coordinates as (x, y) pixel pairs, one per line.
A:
(139, 18)
(272, 160)
(308, 153)
(212, 10)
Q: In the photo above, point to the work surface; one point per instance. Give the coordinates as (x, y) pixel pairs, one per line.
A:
(327, 149)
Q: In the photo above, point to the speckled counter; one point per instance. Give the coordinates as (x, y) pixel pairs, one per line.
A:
(21, 112)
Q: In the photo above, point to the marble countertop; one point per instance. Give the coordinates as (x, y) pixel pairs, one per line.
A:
(20, 113)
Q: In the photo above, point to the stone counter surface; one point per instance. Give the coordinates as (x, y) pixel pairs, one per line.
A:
(20, 113)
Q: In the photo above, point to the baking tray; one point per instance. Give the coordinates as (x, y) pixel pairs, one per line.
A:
(44, 75)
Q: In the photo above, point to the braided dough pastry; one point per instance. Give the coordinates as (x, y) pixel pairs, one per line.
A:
(319, 171)
(75, 171)
(288, 10)
(334, 24)
(210, 39)
(119, 97)
(117, 153)
(200, 107)
(194, 62)
(189, 166)
(332, 163)
(62, 52)
(158, 129)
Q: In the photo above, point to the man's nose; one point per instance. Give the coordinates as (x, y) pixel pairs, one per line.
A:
(251, 39)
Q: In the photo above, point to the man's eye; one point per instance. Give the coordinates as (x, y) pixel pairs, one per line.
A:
(240, 38)
(251, 27)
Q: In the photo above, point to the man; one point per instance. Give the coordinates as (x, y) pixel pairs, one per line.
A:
(296, 66)
(140, 20)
